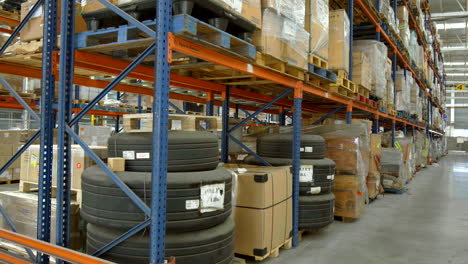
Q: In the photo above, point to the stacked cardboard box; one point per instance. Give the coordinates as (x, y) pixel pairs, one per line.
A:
(283, 36)
(263, 212)
(348, 146)
(403, 18)
(376, 53)
(22, 210)
(373, 178)
(338, 48)
(317, 24)
(390, 89)
(393, 169)
(361, 68)
(33, 30)
(80, 161)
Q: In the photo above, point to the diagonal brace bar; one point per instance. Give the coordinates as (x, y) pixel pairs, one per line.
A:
(20, 100)
(112, 84)
(135, 199)
(20, 151)
(21, 26)
(328, 115)
(240, 124)
(251, 152)
(122, 238)
(178, 110)
(248, 113)
(129, 18)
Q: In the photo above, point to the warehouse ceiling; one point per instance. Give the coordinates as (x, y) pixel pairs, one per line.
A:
(451, 17)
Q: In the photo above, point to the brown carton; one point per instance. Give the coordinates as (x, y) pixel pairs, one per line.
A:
(373, 178)
(263, 213)
(33, 30)
(317, 24)
(80, 161)
(361, 68)
(116, 164)
(339, 40)
(350, 198)
(268, 40)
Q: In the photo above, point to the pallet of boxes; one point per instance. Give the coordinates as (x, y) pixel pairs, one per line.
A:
(348, 147)
(394, 163)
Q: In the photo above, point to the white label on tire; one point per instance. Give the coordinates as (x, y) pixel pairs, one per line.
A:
(302, 149)
(315, 190)
(192, 204)
(331, 177)
(212, 197)
(309, 149)
(306, 173)
(144, 155)
(128, 155)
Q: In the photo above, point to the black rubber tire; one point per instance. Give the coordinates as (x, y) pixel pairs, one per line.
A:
(214, 245)
(280, 146)
(187, 150)
(316, 211)
(323, 174)
(103, 203)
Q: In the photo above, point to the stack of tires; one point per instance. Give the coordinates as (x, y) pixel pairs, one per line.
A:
(317, 174)
(198, 227)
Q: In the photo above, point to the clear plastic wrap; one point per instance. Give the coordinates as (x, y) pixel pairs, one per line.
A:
(393, 169)
(22, 210)
(339, 40)
(390, 93)
(376, 52)
(317, 23)
(373, 177)
(294, 10)
(402, 100)
(361, 69)
(282, 39)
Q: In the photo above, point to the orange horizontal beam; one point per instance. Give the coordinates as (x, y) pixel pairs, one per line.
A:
(9, 20)
(52, 250)
(10, 258)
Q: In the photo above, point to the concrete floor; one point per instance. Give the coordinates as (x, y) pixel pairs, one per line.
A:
(426, 225)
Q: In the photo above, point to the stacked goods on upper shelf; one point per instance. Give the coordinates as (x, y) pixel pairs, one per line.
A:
(338, 48)
(403, 19)
(413, 47)
(33, 30)
(283, 36)
(348, 146)
(388, 13)
(317, 24)
(361, 68)
(390, 91)
(376, 52)
(415, 107)
(403, 91)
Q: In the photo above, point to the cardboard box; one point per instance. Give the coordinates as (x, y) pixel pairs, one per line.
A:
(263, 213)
(317, 24)
(339, 40)
(94, 5)
(33, 30)
(268, 40)
(350, 198)
(373, 178)
(248, 9)
(284, 7)
(116, 164)
(361, 68)
(22, 210)
(80, 161)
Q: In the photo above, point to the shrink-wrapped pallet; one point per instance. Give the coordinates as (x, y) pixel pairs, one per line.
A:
(361, 68)
(338, 48)
(393, 169)
(317, 23)
(376, 52)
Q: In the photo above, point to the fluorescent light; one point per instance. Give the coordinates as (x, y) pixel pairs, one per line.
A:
(456, 74)
(450, 26)
(454, 63)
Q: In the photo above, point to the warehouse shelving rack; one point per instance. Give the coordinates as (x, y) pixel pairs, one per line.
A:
(297, 96)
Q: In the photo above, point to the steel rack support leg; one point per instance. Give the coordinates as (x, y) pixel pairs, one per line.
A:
(375, 127)
(412, 132)
(47, 125)
(282, 116)
(351, 32)
(225, 126)
(377, 6)
(296, 160)
(66, 66)
(160, 128)
(139, 110)
(394, 70)
(117, 124)
(236, 112)
(393, 132)
(404, 130)
(77, 97)
(323, 118)
(349, 114)
(209, 104)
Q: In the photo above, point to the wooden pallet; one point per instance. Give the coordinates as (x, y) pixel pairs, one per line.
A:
(7, 182)
(302, 233)
(342, 91)
(345, 219)
(319, 76)
(131, 122)
(362, 90)
(318, 61)
(392, 112)
(341, 74)
(27, 187)
(278, 65)
(274, 253)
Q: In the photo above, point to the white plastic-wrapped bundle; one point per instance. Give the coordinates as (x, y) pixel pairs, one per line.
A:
(317, 23)
(376, 52)
(390, 95)
(392, 169)
(291, 9)
(403, 100)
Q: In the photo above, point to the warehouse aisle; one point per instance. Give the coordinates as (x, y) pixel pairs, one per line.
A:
(427, 225)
